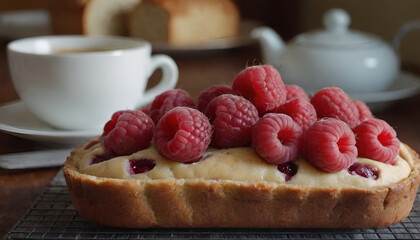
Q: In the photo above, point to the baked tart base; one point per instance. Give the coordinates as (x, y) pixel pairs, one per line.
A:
(201, 202)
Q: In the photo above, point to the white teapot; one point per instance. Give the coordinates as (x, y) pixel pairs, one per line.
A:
(335, 56)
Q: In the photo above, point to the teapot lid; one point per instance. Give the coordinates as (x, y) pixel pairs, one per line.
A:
(336, 32)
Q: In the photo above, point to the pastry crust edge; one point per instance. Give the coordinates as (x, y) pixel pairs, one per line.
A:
(132, 203)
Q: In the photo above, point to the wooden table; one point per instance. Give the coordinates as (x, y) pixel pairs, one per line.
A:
(19, 188)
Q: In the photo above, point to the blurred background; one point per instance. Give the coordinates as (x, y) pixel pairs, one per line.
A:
(290, 17)
(198, 71)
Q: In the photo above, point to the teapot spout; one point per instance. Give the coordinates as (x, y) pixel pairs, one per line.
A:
(272, 45)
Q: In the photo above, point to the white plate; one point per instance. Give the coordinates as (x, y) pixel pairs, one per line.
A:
(243, 39)
(17, 120)
(406, 85)
(24, 23)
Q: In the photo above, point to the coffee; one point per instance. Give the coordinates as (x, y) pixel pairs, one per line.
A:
(80, 50)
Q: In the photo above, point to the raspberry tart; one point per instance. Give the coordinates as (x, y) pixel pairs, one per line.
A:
(250, 155)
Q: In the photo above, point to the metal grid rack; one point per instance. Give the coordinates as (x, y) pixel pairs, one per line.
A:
(53, 216)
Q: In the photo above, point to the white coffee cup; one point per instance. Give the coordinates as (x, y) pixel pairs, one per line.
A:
(78, 82)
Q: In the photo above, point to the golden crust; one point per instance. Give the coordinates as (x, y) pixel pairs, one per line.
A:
(223, 203)
(184, 21)
(74, 16)
(174, 7)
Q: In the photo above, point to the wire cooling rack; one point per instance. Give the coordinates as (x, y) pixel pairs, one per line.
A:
(53, 216)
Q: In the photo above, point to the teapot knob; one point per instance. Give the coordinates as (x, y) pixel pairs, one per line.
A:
(336, 20)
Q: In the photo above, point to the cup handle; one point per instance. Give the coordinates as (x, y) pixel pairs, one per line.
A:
(401, 32)
(168, 81)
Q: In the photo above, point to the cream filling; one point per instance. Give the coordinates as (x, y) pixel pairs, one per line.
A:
(241, 164)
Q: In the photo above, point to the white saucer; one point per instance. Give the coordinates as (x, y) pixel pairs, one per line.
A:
(406, 85)
(241, 40)
(17, 120)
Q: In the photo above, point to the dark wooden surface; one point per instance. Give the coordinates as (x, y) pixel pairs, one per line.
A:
(19, 188)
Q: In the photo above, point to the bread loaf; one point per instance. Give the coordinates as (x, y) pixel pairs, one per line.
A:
(169, 21)
(90, 17)
(183, 21)
(174, 194)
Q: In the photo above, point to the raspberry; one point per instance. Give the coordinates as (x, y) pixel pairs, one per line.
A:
(289, 169)
(262, 85)
(330, 145)
(277, 138)
(233, 118)
(168, 100)
(111, 123)
(363, 170)
(294, 91)
(141, 165)
(301, 111)
(100, 158)
(183, 134)
(145, 109)
(376, 140)
(205, 97)
(335, 103)
(364, 111)
(127, 132)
